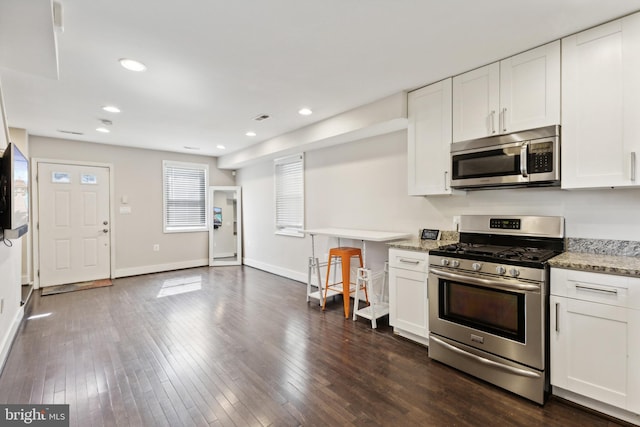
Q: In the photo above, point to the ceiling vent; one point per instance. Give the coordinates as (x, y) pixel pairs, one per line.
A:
(71, 132)
(261, 117)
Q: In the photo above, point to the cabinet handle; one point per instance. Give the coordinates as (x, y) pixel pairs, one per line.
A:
(589, 288)
(633, 166)
(557, 318)
(409, 261)
(504, 120)
(492, 119)
(445, 181)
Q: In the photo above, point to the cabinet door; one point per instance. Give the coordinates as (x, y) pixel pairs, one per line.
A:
(590, 345)
(600, 107)
(429, 140)
(408, 301)
(476, 97)
(530, 89)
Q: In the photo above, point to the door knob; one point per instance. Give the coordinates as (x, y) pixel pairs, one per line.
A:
(106, 230)
(105, 222)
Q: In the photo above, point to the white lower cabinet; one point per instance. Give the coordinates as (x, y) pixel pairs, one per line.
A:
(408, 304)
(595, 339)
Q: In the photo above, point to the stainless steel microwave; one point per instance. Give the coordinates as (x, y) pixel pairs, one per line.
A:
(527, 158)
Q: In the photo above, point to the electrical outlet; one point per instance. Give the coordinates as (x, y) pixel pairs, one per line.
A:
(156, 247)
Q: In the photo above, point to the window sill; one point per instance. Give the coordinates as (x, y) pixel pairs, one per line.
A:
(185, 230)
(291, 233)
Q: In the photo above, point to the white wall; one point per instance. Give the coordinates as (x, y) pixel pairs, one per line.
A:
(138, 176)
(10, 295)
(10, 275)
(363, 185)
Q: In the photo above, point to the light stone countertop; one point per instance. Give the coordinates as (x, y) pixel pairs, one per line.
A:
(598, 263)
(416, 244)
(596, 255)
(619, 257)
(420, 245)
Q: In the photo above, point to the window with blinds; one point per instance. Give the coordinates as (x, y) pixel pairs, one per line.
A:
(289, 182)
(184, 196)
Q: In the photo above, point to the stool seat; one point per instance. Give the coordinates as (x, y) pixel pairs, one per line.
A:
(345, 251)
(345, 254)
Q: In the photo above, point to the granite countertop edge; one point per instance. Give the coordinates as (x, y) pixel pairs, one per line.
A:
(598, 263)
(616, 257)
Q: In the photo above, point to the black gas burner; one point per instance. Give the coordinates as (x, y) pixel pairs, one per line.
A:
(497, 253)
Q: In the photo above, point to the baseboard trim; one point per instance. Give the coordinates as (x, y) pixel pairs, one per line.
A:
(7, 342)
(158, 268)
(597, 406)
(270, 268)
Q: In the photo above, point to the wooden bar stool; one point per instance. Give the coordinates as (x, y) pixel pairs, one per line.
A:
(345, 254)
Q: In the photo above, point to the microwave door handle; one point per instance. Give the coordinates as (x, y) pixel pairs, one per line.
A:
(523, 159)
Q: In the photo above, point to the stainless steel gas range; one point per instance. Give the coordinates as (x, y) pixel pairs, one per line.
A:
(489, 299)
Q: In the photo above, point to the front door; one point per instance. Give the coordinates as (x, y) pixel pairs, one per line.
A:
(73, 210)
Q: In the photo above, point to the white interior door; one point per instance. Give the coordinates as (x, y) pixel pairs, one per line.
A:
(73, 210)
(225, 226)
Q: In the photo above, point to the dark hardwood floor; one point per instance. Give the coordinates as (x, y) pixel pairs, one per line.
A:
(243, 350)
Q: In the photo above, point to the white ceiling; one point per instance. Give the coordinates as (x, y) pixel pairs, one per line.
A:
(214, 65)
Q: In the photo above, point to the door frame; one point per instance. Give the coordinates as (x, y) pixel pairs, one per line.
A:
(36, 218)
(238, 190)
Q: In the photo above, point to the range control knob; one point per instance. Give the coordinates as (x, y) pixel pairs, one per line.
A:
(444, 262)
(501, 269)
(514, 272)
(476, 266)
(455, 263)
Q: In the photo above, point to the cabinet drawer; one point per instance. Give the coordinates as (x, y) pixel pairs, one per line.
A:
(408, 260)
(620, 291)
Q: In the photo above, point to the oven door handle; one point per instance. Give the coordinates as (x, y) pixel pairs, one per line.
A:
(495, 283)
(484, 361)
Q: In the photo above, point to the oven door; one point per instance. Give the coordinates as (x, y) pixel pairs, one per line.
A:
(489, 166)
(502, 316)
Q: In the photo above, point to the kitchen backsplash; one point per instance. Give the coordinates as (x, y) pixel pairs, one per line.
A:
(603, 246)
(449, 235)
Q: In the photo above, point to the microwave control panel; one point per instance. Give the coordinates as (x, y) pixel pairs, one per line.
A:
(540, 157)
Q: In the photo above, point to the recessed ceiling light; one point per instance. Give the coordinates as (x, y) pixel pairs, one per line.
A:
(221, 147)
(111, 109)
(250, 133)
(103, 130)
(132, 64)
(305, 112)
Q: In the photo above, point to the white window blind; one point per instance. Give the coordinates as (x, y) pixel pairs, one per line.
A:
(289, 177)
(185, 196)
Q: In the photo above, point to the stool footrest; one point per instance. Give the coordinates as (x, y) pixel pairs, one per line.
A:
(381, 309)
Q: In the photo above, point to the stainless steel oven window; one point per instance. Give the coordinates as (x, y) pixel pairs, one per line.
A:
(497, 312)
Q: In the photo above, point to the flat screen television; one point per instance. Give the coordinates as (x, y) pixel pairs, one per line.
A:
(14, 193)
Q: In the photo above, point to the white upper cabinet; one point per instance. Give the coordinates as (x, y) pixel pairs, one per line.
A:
(429, 139)
(518, 93)
(476, 101)
(530, 89)
(601, 105)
